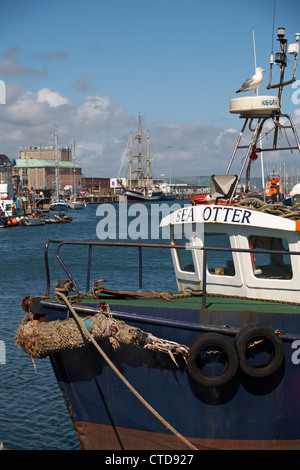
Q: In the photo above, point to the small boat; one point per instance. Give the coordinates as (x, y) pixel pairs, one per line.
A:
(74, 204)
(57, 219)
(201, 199)
(52, 220)
(32, 221)
(63, 218)
(58, 205)
(274, 191)
(212, 365)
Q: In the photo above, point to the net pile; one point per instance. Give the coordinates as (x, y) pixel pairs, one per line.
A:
(40, 339)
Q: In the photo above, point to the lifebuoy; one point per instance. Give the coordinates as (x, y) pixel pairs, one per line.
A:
(263, 335)
(210, 344)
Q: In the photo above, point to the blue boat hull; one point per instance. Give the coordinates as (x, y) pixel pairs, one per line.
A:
(245, 413)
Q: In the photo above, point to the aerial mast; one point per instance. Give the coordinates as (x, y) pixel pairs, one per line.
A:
(281, 60)
(263, 109)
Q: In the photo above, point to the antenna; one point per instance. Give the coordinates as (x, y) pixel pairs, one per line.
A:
(281, 61)
(272, 48)
(254, 51)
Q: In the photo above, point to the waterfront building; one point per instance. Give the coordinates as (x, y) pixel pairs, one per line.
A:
(35, 168)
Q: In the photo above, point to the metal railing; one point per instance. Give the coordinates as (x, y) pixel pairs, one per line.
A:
(140, 246)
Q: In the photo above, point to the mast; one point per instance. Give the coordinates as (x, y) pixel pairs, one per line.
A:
(56, 165)
(139, 137)
(130, 159)
(148, 161)
(73, 169)
(281, 60)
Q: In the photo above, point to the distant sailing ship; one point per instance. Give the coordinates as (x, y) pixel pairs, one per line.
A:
(140, 188)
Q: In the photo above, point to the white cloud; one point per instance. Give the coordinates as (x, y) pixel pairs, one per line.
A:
(101, 130)
(53, 98)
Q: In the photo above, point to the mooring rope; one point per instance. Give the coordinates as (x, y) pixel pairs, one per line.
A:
(124, 380)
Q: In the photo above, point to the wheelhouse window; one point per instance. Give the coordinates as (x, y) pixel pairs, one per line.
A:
(219, 263)
(270, 265)
(185, 256)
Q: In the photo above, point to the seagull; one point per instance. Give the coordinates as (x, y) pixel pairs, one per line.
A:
(253, 82)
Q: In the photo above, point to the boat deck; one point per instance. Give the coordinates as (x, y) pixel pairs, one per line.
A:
(213, 302)
(221, 314)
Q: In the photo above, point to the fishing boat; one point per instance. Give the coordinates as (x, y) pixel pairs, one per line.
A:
(7, 217)
(214, 364)
(8, 210)
(168, 194)
(140, 188)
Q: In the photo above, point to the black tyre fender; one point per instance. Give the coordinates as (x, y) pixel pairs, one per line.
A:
(219, 342)
(249, 334)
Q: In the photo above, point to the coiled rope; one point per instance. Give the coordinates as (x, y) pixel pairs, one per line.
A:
(279, 209)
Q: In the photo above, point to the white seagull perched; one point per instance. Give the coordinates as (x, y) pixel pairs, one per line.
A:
(253, 82)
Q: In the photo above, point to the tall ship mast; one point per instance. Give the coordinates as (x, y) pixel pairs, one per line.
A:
(140, 187)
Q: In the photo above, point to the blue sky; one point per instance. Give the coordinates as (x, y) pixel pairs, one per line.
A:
(90, 67)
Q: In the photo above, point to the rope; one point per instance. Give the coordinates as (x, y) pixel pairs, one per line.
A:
(279, 209)
(97, 290)
(125, 381)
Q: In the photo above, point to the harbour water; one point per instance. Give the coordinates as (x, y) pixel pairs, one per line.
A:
(33, 415)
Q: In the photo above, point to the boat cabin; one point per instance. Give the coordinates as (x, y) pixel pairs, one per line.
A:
(234, 251)
(6, 207)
